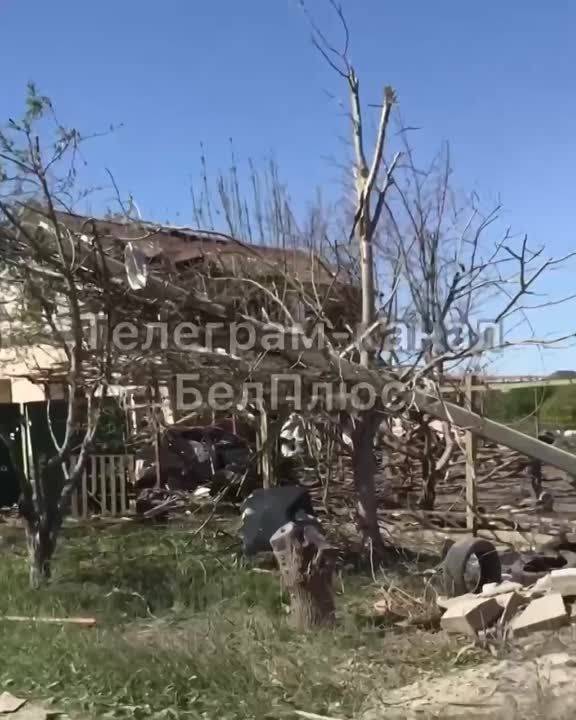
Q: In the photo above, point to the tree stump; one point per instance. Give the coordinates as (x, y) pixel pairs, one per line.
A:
(306, 561)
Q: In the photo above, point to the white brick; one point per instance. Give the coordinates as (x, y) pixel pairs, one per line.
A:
(470, 616)
(546, 613)
(564, 581)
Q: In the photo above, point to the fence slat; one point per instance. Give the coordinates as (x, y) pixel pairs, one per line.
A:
(93, 479)
(103, 502)
(113, 474)
(123, 498)
(107, 480)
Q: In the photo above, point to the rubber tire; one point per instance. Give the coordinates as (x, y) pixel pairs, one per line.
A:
(266, 510)
(457, 558)
(529, 577)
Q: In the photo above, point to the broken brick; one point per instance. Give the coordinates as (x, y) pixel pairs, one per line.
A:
(564, 582)
(471, 616)
(546, 613)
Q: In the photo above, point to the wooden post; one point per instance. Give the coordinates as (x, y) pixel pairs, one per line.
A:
(123, 496)
(471, 452)
(113, 489)
(157, 457)
(264, 448)
(154, 407)
(166, 404)
(306, 561)
(132, 414)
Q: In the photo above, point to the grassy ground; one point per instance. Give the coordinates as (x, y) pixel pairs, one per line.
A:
(187, 630)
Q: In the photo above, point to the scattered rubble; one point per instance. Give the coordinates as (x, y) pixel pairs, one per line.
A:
(508, 689)
(512, 607)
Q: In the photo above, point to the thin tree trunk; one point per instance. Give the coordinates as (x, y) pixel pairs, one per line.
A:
(367, 277)
(429, 472)
(41, 536)
(364, 469)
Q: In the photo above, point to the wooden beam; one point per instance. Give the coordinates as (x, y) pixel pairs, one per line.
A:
(471, 442)
(496, 432)
(507, 386)
(264, 448)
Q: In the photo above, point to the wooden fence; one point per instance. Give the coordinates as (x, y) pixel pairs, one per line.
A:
(106, 487)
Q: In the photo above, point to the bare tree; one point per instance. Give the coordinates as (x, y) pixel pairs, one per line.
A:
(373, 177)
(461, 279)
(42, 260)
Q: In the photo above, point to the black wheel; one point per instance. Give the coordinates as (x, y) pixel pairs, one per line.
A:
(469, 565)
(530, 567)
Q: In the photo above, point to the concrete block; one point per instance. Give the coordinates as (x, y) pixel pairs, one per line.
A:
(545, 613)
(470, 616)
(563, 581)
(446, 602)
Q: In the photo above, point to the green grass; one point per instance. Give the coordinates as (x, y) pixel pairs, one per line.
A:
(187, 630)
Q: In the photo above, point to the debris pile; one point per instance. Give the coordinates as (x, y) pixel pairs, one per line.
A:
(511, 609)
(162, 501)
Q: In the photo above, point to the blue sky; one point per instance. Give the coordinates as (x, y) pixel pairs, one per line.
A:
(495, 79)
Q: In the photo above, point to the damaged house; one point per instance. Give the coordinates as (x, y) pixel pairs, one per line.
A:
(258, 280)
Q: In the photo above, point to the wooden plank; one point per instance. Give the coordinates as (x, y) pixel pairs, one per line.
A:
(131, 473)
(122, 476)
(496, 432)
(93, 478)
(113, 486)
(265, 449)
(507, 385)
(166, 404)
(259, 451)
(157, 458)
